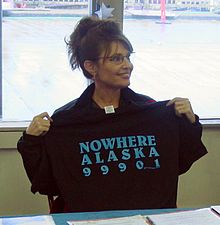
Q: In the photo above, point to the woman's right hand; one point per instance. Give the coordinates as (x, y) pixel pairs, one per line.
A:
(39, 125)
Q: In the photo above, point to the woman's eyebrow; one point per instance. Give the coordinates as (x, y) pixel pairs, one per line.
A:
(118, 53)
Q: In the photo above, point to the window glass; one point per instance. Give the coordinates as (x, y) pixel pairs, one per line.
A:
(36, 73)
(177, 56)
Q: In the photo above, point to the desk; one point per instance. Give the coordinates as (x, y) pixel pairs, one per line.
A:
(61, 218)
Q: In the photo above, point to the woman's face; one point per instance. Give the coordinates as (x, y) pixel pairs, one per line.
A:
(114, 71)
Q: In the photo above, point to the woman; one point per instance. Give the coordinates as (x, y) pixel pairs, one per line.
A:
(110, 149)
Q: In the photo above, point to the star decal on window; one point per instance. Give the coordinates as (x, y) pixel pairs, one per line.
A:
(104, 12)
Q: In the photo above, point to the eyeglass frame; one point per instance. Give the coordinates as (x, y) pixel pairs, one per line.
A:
(122, 58)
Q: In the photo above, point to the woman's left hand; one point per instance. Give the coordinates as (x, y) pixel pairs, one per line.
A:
(183, 106)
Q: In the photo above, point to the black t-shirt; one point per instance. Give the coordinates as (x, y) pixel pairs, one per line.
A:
(130, 159)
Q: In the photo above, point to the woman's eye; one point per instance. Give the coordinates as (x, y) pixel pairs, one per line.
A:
(116, 58)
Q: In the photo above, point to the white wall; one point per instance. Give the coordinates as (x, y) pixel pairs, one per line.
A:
(15, 195)
(201, 185)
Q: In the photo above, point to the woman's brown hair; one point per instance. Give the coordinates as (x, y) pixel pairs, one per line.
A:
(90, 36)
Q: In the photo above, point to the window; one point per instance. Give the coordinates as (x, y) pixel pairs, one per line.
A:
(35, 62)
(177, 58)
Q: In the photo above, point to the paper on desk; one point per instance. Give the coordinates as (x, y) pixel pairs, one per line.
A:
(130, 220)
(193, 217)
(30, 220)
(216, 208)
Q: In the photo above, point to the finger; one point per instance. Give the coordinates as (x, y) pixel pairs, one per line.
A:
(49, 118)
(178, 114)
(44, 128)
(187, 111)
(44, 115)
(177, 101)
(42, 124)
(38, 128)
(182, 108)
(172, 101)
(38, 122)
(43, 121)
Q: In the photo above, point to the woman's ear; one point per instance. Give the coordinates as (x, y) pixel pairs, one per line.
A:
(90, 67)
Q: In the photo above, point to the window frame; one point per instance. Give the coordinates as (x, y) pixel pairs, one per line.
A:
(1, 62)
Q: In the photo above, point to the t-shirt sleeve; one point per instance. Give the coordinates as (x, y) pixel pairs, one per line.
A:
(191, 146)
(36, 164)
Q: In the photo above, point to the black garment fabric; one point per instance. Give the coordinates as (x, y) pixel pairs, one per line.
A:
(130, 159)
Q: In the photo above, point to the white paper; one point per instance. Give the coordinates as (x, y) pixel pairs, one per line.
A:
(131, 220)
(193, 217)
(30, 220)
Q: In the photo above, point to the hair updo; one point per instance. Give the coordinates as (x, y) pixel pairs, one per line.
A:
(90, 36)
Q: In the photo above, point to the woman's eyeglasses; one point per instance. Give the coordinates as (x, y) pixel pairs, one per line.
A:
(117, 59)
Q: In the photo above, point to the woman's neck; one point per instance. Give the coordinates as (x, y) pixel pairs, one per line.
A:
(106, 97)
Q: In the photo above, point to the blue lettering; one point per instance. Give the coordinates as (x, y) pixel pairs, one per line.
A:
(153, 152)
(108, 143)
(138, 153)
(98, 158)
(132, 141)
(122, 167)
(140, 165)
(95, 145)
(87, 171)
(121, 142)
(86, 160)
(151, 140)
(125, 154)
(157, 163)
(84, 146)
(142, 140)
(112, 156)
